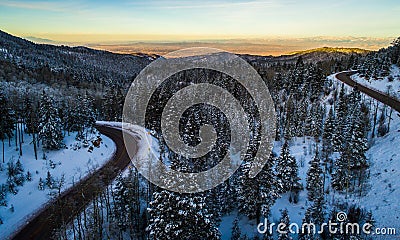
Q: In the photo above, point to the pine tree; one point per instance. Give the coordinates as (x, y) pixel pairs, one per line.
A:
(15, 174)
(89, 117)
(29, 111)
(177, 216)
(287, 171)
(41, 184)
(109, 106)
(221, 200)
(284, 220)
(382, 127)
(82, 117)
(113, 104)
(302, 117)
(308, 124)
(316, 210)
(365, 118)
(328, 135)
(6, 121)
(50, 131)
(49, 180)
(337, 139)
(317, 122)
(31, 122)
(315, 184)
(126, 202)
(313, 121)
(358, 144)
(236, 233)
(29, 176)
(3, 195)
(65, 115)
(288, 134)
(11, 186)
(341, 112)
(341, 175)
(121, 203)
(315, 79)
(19, 177)
(257, 195)
(297, 78)
(75, 118)
(306, 234)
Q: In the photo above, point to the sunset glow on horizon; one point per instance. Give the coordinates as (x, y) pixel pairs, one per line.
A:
(105, 22)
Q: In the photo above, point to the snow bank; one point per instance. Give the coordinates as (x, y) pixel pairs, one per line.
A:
(148, 147)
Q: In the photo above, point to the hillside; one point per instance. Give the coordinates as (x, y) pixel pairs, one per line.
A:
(331, 50)
(82, 63)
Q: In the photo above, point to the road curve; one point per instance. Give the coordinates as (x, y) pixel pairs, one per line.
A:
(381, 97)
(72, 202)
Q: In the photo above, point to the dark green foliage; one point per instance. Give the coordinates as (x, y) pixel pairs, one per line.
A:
(236, 233)
(3, 195)
(287, 171)
(49, 180)
(7, 120)
(315, 184)
(285, 220)
(50, 128)
(257, 195)
(176, 216)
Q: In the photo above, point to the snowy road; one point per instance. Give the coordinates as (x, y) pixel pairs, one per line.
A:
(381, 97)
(71, 202)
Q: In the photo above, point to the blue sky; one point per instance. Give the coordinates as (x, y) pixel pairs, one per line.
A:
(164, 19)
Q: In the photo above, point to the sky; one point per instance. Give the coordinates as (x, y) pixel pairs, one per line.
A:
(173, 20)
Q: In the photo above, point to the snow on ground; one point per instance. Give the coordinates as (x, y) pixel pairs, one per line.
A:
(383, 197)
(74, 162)
(383, 85)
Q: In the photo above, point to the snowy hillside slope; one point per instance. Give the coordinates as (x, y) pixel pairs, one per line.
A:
(389, 84)
(73, 163)
(384, 193)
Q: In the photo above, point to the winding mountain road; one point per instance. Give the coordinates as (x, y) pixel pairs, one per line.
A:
(381, 97)
(73, 201)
